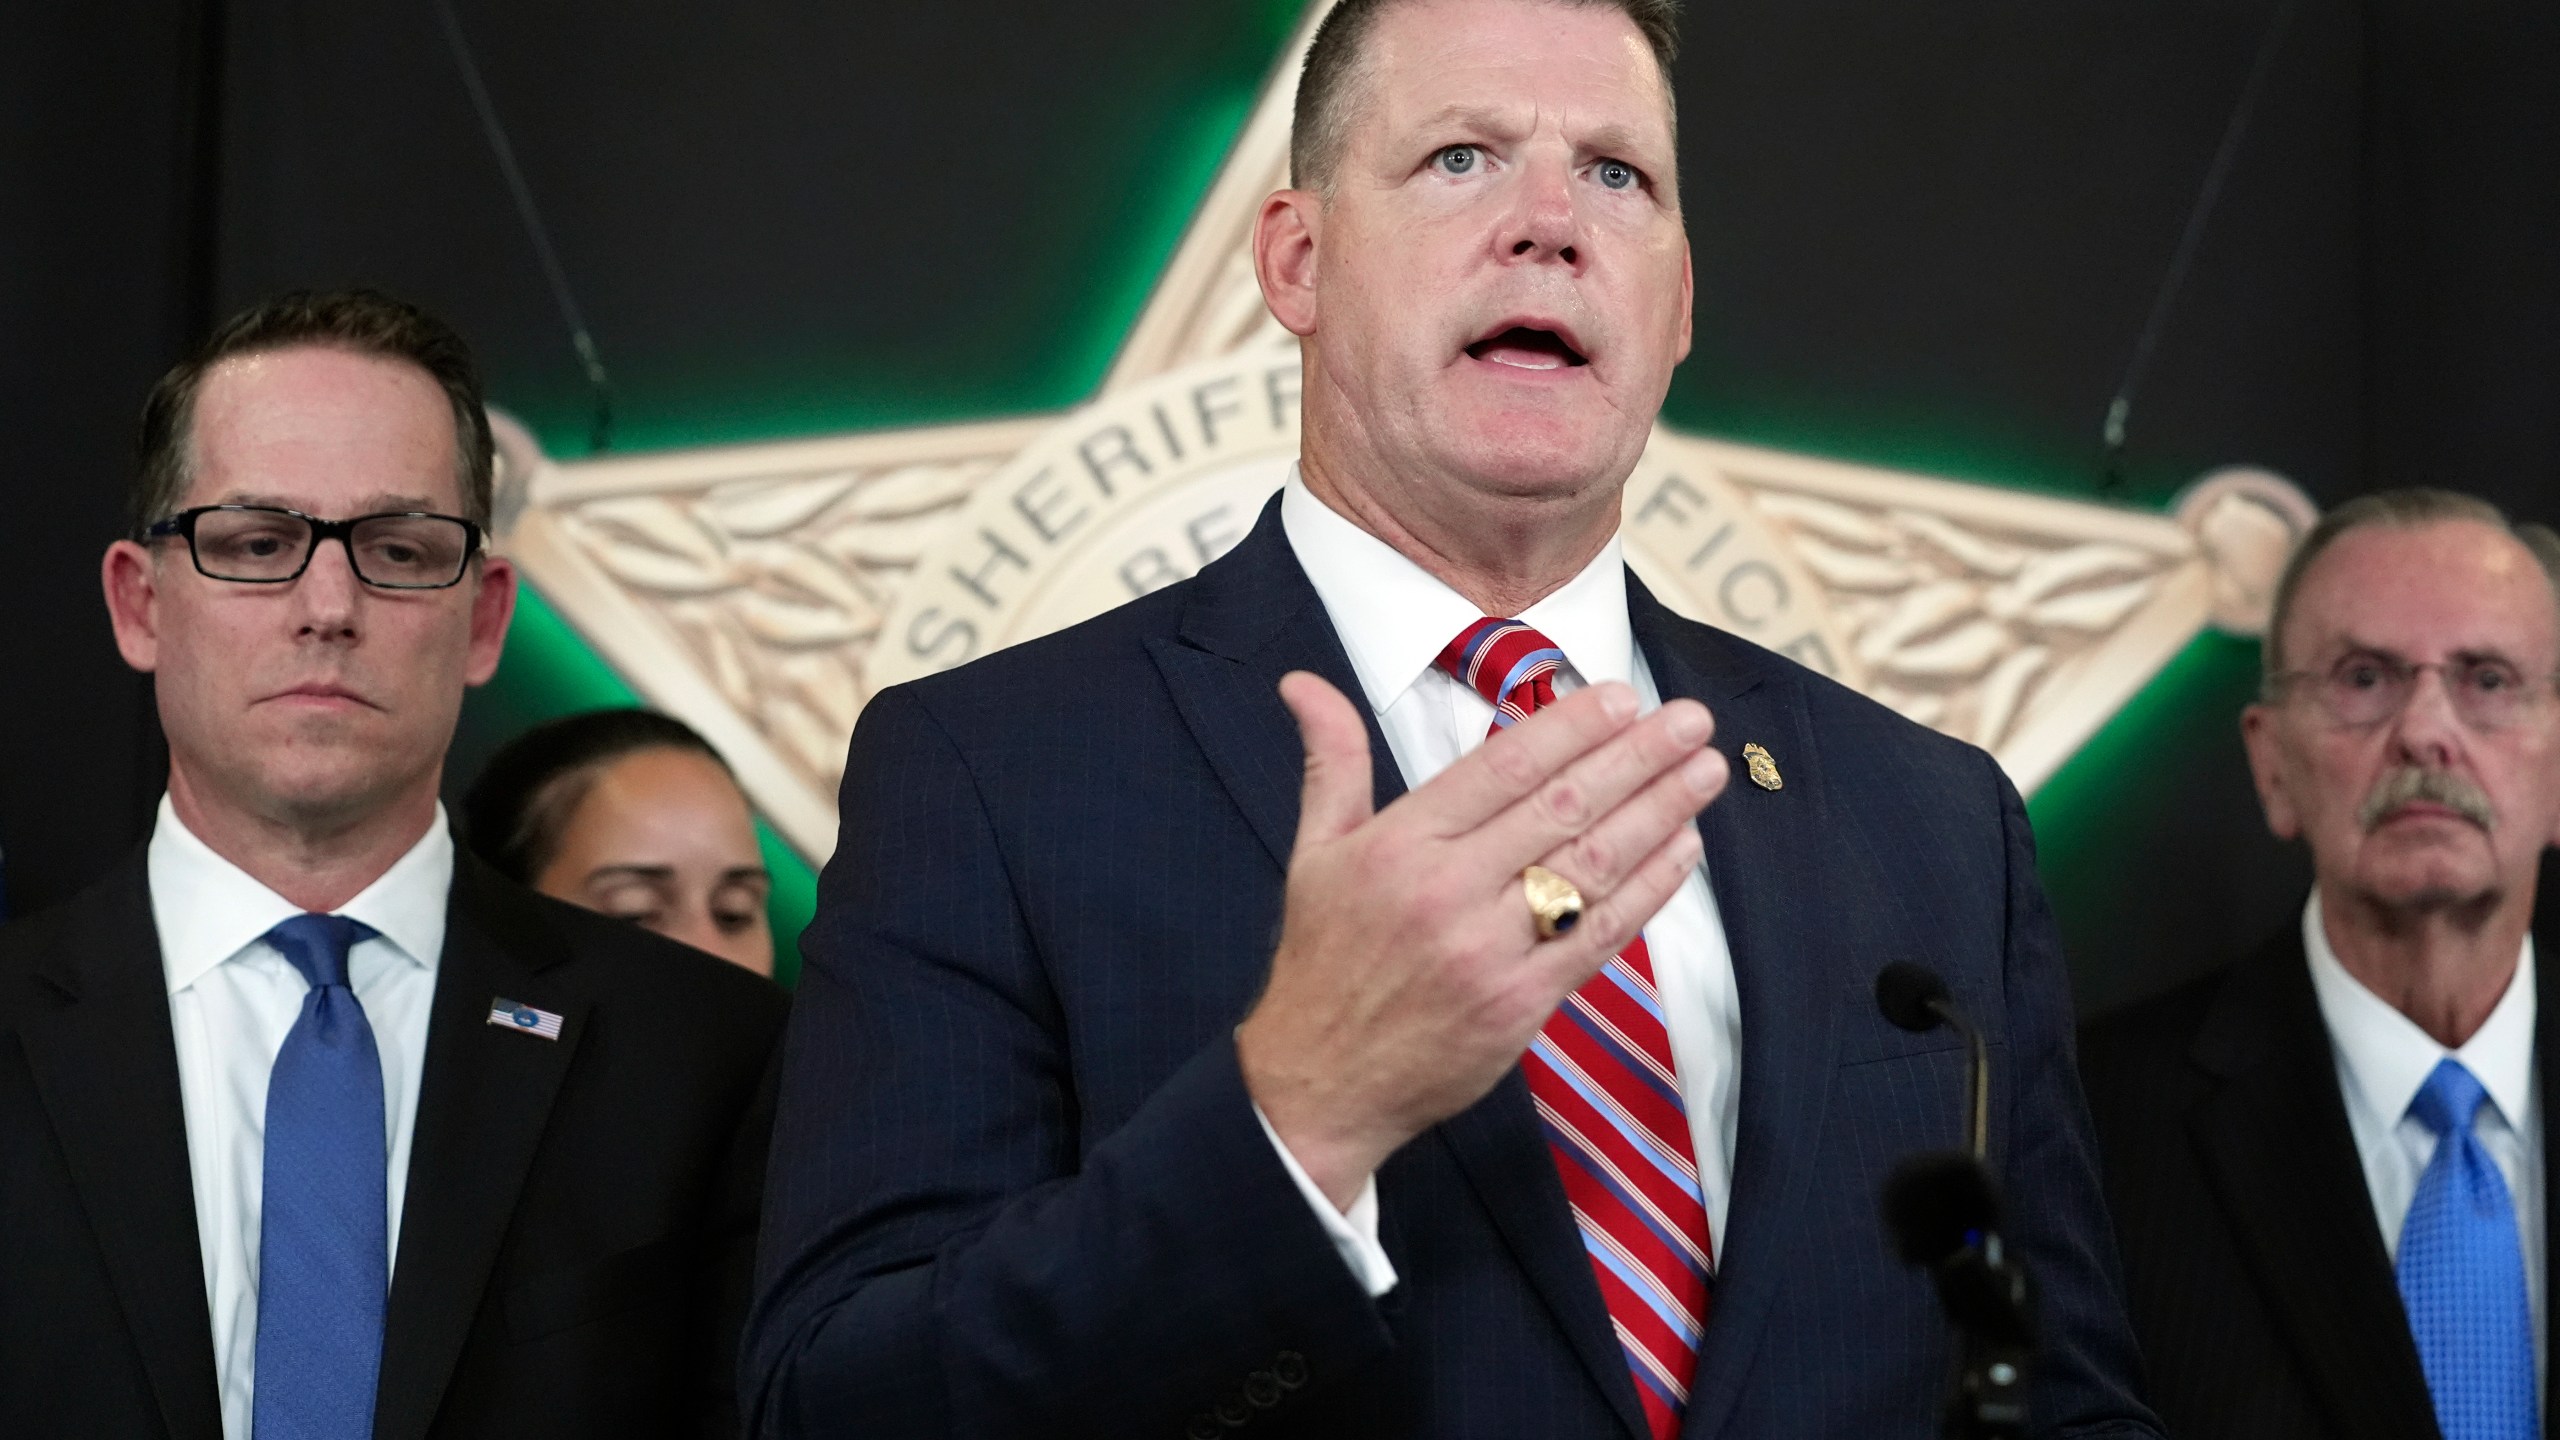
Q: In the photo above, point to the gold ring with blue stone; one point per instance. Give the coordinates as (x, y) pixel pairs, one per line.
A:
(1553, 902)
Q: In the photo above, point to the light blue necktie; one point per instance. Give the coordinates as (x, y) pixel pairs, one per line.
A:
(324, 1262)
(2462, 1273)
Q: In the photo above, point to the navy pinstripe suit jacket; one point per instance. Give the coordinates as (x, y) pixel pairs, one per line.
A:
(1018, 1189)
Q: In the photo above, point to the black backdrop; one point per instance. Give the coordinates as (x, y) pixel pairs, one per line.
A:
(1927, 235)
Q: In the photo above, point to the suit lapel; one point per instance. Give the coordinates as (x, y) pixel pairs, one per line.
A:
(1775, 884)
(482, 1105)
(106, 1069)
(2275, 1142)
(1252, 619)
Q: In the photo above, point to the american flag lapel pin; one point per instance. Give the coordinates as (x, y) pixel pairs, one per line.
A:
(511, 1015)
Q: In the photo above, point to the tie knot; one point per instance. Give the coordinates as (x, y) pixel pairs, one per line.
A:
(317, 945)
(2449, 1099)
(1511, 665)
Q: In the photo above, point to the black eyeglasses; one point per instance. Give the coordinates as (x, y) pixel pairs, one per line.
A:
(268, 545)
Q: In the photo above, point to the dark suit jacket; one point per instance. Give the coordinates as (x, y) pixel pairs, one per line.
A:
(1019, 1189)
(580, 1218)
(2255, 1271)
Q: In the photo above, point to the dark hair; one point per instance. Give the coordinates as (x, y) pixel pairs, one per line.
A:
(1320, 122)
(2401, 509)
(515, 812)
(364, 321)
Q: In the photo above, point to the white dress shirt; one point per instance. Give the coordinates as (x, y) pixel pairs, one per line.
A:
(1394, 618)
(232, 1000)
(2383, 1061)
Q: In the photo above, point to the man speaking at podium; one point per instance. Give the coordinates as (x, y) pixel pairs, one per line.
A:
(1309, 1001)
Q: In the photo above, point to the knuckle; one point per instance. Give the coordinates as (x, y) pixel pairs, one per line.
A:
(1592, 856)
(1511, 763)
(1565, 803)
(1600, 925)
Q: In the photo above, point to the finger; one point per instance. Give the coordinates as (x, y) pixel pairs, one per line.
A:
(1595, 784)
(1517, 760)
(1599, 859)
(1336, 798)
(1609, 923)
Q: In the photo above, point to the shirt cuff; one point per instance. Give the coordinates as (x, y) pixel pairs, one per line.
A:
(1354, 1234)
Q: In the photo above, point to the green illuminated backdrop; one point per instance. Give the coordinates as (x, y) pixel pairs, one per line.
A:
(1924, 240)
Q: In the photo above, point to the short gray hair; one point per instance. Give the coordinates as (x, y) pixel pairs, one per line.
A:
(2402, 509)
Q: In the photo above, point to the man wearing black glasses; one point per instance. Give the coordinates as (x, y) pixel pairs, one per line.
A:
(314, 1126)
(2329, 1165)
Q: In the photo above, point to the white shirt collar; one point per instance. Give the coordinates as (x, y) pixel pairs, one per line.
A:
(2389, 1058)
(1395, 617)
(209, 910)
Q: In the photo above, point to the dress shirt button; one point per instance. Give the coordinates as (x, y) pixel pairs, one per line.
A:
(1262, 1389)
(1204, 1426)
(1290, 1369)
(1233, 1414)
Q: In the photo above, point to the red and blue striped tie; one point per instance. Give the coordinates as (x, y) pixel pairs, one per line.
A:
(1600, 1071)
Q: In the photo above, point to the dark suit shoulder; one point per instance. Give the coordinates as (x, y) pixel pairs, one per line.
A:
(1073, 667)
(2147, 1032)
(1831, 704)
(2222, 1021)
(1897, 744)
(2138, 1071)
(636, 969)
(24, 939)
(102, 934)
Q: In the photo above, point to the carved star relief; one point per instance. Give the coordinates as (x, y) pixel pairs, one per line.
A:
(763, 593)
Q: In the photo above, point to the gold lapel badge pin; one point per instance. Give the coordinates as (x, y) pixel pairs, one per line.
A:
(1764, 767)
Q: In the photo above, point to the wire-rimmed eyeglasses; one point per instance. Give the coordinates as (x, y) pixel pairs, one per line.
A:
(269, 545)
(2365, 688)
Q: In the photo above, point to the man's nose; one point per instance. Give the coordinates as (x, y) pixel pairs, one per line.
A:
(1543, 224)
(327, 595)
(2427, 731)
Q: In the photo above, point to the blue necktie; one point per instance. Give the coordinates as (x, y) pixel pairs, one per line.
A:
(324, 1262)
(2462, 1273)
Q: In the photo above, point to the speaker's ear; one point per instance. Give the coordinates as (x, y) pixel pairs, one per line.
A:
(1286, 235)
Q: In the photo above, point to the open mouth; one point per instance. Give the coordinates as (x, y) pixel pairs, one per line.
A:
(1524, 348)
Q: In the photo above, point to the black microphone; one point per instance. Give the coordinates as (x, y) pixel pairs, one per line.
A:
(1943, 1215)
(1914, 998)
(1937, 1203)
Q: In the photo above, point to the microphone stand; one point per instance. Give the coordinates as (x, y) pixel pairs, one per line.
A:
(1985, 1294)
(1979, 1072)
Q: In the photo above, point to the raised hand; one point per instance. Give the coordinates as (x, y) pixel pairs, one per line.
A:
(1410, 974)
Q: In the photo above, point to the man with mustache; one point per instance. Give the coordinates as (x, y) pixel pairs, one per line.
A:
(312, 1127)
(2327, 1164)
(1201, 1031)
